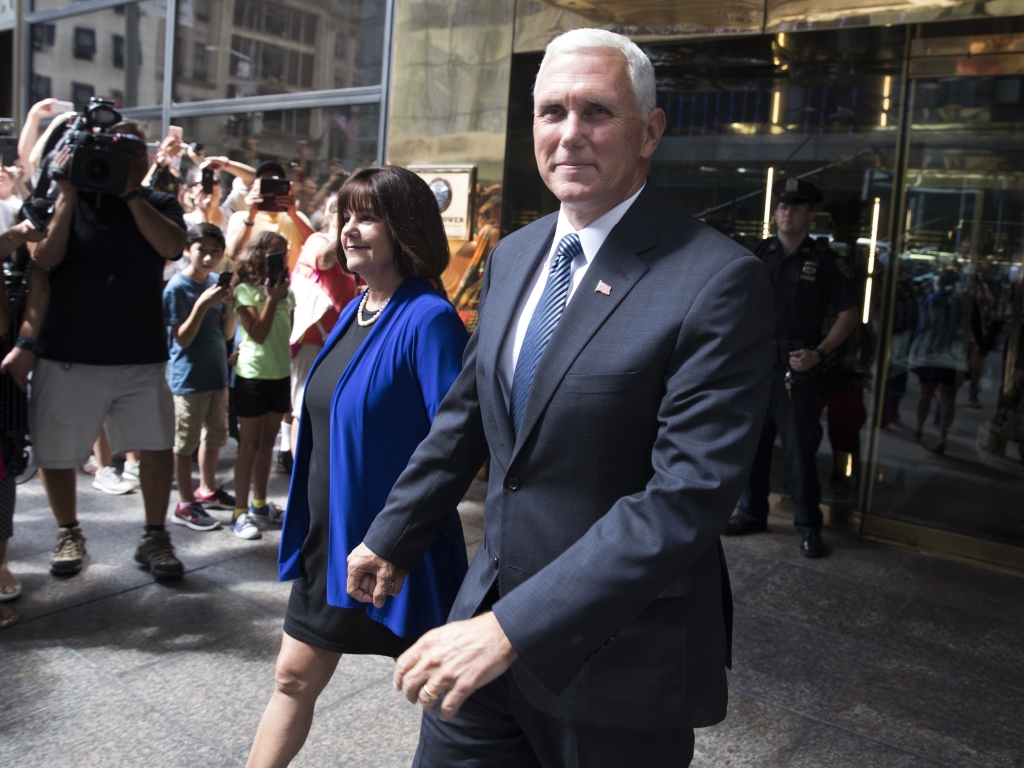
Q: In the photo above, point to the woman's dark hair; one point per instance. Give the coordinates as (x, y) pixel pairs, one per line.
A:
(251, 267)
(404, 201)
(198, 231)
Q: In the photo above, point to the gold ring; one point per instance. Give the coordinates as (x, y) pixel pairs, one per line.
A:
(428, 694)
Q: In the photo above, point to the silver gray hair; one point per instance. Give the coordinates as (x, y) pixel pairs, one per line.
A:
(641, 71)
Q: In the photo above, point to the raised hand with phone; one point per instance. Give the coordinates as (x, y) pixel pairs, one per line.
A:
(271, 207)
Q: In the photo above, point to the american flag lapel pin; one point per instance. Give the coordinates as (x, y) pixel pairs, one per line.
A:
(603, 287)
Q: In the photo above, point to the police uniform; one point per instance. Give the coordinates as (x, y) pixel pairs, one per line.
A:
(805, 282)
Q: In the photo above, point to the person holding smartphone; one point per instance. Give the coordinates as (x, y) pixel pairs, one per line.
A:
(275, 211)
(264, 304)
(199, 310)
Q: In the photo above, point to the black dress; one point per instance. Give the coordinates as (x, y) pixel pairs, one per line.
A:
(310, 618)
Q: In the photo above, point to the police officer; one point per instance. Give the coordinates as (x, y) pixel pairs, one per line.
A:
(806, 280)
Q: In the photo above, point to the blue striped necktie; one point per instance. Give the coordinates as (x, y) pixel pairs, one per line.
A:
(542, 325)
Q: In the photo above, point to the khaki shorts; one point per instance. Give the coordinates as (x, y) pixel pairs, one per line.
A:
(69, 402)
(200, 414)
(302, 364)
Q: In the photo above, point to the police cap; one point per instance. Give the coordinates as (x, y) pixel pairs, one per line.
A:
(794, 191)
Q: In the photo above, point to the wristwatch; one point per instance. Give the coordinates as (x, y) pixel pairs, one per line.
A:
(132, 195)
(24, 342)
(820, 353)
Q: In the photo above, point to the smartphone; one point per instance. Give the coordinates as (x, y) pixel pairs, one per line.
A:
(177, 132)
(224, 281)
(275, 266)
(270, 189)
(8, 150)
(60, 107)
(208, 181)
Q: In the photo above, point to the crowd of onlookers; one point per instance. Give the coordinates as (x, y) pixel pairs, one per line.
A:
(245, 311)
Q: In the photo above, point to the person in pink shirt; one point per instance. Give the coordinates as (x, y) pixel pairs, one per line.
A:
(322, 288)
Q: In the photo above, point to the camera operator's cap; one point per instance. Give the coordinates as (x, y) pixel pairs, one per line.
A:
(269, 168)
(794, 191)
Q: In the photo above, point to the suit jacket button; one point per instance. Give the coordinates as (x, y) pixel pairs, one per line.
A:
(495, 562)
(512, 483)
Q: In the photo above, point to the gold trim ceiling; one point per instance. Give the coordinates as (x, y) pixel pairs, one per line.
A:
(540, 21)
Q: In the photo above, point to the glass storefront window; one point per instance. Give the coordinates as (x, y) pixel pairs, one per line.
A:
(951, 449)
(236, 48)
(311, 144)
(116, 53)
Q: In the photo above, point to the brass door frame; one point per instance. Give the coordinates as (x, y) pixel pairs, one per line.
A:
(952, 58)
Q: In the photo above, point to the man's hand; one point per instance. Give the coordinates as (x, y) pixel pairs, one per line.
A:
(371, 578)
(18, 365)
(62, 159)
(253, 198)
(25, 232)
(803, 359)
(453, 661)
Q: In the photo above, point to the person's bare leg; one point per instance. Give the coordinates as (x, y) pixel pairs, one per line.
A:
(132, 458)
(155, 471)
(183, 476)
(249, 433)
(101, 450)
(924, 405)
(265, 455)
(60, 492)
(208, 469)
(301, 674)
(7, 579)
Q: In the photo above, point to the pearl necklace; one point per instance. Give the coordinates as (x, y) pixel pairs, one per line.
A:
(373, 319)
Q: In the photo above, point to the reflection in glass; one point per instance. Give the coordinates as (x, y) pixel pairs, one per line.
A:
(315, 146)
(235, 48)
(116, 54)
(951, 454)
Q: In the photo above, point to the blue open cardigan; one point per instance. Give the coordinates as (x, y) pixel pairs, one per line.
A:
(382, 408)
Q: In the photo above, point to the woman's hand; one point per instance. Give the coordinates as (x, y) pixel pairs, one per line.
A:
(18, 365)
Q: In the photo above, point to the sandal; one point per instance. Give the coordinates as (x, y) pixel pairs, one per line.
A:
(10, 592)
(7, 617)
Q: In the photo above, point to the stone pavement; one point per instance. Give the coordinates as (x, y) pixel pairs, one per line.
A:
(874, 656)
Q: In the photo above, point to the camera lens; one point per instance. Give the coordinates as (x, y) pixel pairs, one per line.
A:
(98, 170)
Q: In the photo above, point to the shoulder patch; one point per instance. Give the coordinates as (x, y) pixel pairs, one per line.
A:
(844, 268)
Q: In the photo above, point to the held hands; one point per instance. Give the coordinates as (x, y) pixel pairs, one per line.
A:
(803, 359)
(371, 579)
(453, 661)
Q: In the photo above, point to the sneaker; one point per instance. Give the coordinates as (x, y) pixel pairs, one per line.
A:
(108, 481)
(266, 516)
(156, 553)
(284, 461)
(245, 528)
(194, 516)
(130, 474)
(68, 554)
(219, 499)
(91, 467)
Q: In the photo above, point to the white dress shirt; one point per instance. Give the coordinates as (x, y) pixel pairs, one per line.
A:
(592, 237)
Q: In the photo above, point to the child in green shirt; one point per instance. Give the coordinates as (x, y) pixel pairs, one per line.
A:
(262, 378)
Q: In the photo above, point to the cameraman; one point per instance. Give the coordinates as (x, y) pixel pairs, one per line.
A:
(102, 350)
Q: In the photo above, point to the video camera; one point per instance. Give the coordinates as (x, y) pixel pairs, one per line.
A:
(100, 161)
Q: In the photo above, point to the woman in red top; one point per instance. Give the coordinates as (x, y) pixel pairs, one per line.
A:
(321, 289)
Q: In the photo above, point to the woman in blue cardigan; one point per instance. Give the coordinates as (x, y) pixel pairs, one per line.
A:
(370, 398)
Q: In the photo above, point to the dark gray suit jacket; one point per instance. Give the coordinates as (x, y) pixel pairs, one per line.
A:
(603, 518)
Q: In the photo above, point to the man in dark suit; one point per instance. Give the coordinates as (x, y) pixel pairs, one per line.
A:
(618, 379)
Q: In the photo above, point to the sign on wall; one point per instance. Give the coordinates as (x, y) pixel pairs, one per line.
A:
(452, 186)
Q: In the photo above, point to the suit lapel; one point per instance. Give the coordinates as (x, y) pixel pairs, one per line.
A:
(617, 266)
(503, 299)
